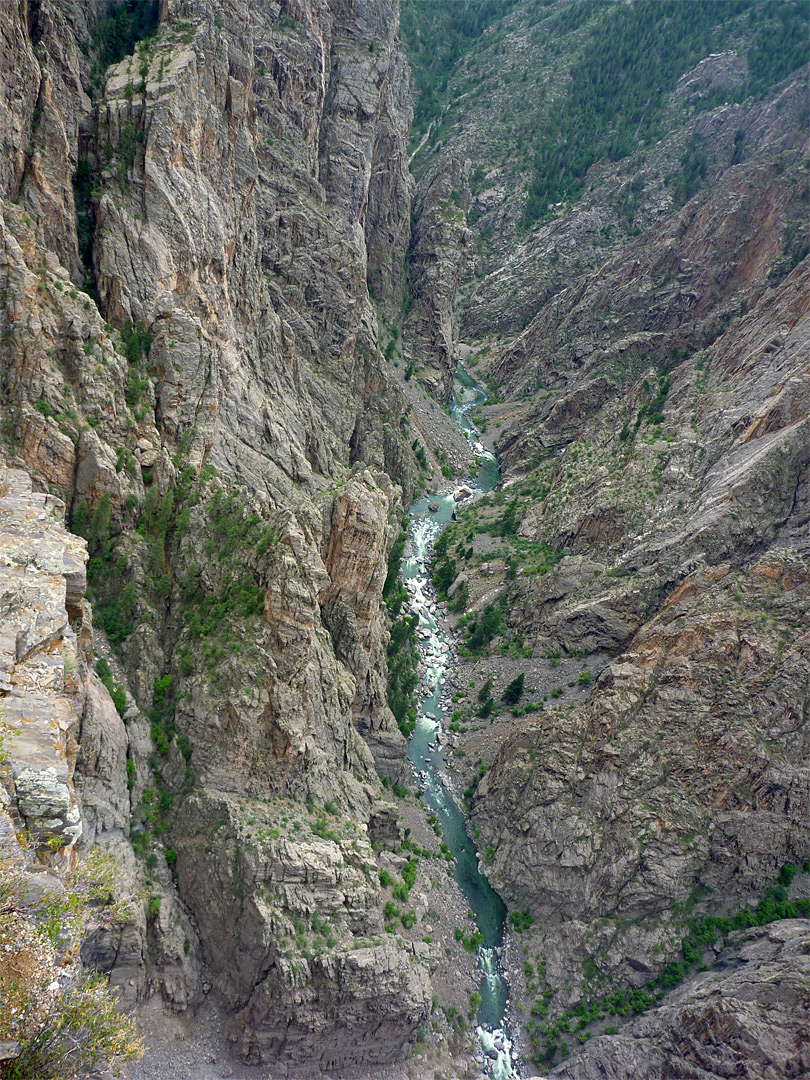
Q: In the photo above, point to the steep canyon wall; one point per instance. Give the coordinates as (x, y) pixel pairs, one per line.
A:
(217, 419)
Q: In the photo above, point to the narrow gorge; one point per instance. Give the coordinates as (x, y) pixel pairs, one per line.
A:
(404, 539)
(425, 752)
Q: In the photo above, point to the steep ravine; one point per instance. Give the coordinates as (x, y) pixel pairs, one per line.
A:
(643, 567)
(219, 289)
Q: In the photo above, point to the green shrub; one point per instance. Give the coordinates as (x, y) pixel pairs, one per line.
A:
(117, 693)
(485, 709)
(485, 693)
(787, 874)
(99, 531)
(521, 920)
(444, 574)
(137, 341)
(409, 872)
(460, 600)
(489, 623)
(509, 521)
(514, 691)
(394, 564)
(403, 662)
(474, 941)
(162, 714)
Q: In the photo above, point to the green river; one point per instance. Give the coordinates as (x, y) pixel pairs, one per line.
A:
(424, 751)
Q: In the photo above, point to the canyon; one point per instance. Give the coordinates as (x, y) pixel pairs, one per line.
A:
(236, 283)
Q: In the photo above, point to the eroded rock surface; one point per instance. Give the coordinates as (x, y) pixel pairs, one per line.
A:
(437, 260)
(44, 658)
(681, 716)
(750, 1014)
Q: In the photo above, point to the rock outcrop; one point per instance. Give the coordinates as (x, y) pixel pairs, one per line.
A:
(748, 1014)
(303, 965)
(365, 522)
(679, 716)
(45, 639)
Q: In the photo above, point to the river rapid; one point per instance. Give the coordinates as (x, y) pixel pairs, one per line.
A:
(424, 750)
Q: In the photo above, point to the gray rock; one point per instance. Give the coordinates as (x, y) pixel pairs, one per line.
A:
(749, 1015)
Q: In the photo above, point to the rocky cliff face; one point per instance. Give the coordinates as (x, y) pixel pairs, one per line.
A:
(216, 415)
(679, 716)
(45, 641)
(437, 260)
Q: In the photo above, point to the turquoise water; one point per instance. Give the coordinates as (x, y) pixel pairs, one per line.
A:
(424, 751)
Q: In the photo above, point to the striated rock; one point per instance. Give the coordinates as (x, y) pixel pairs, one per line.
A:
(437, 260)
(626, 262)
(363, 528)
(381, 996)
(64, 375)
(100, 776)
(655, 437)
(61, 106)
(748, 1016)
(281, 965)
(727, 69)
(238, 452)
(43, 109)
(20, 88)
(658, 788)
